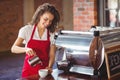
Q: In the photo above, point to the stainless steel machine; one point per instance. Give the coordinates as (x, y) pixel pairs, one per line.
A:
(84, 52)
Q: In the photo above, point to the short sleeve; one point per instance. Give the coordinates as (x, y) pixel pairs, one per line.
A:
(25, 32)
(52, 35)
(21, 33)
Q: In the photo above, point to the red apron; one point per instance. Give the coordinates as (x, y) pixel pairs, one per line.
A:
(41, 47)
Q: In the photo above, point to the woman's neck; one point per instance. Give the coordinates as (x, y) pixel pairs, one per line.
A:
(41, 30)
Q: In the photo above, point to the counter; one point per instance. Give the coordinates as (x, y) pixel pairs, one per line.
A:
(60, 75)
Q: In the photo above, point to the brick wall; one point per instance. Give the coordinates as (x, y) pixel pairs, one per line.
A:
(11, 19)
(85, 14)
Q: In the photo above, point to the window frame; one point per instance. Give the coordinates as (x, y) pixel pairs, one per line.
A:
(102, 13)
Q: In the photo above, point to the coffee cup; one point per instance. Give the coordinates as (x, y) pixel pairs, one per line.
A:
(43, 73)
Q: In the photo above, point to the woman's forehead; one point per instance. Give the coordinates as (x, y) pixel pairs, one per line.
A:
(48, 15)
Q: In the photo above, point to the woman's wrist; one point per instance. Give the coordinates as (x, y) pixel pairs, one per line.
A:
(49, 70)
(49, 67)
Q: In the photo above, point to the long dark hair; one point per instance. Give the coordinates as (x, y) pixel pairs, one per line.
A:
(46, 7)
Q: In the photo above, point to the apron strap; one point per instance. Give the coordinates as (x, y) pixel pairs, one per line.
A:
(48, 35)
(33, 31)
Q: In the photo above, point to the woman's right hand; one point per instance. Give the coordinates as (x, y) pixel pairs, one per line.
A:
(30, 52)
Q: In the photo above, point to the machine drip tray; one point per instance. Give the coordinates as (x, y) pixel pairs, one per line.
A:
(82, 70)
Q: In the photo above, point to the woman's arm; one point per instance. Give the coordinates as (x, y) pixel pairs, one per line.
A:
(52, 55)
(19, 48)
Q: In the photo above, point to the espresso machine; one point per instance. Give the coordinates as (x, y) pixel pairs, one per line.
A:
(84, 52)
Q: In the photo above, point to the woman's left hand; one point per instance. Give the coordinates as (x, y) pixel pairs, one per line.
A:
(49, 70)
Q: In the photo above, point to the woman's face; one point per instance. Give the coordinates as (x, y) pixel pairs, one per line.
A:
(46, 19)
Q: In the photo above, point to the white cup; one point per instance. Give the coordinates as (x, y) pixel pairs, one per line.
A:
(43, 73)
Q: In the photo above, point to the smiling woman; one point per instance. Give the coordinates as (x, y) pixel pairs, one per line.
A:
(38, 36)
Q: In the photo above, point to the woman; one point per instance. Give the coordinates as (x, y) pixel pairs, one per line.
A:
(38, 36)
